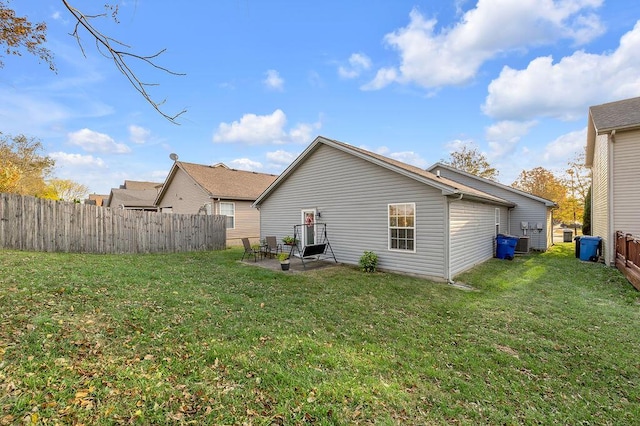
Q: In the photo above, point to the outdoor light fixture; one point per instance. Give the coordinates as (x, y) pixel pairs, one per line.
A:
(318, 214)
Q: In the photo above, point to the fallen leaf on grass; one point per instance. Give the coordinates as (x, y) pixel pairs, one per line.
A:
(311, 397)
(507, 350)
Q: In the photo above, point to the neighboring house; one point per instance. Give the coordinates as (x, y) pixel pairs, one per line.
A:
(416, 222)
(134, 195)
(613, 155)
(532, 217)
(96, 199)
(200, 189)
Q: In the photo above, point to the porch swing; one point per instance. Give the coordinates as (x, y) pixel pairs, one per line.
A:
(316, 251)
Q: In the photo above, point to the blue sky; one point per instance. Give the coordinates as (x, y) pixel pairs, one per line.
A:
(412, 80)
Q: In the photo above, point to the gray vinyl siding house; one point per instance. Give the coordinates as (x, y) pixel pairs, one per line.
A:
(613, 153)
(529, 209)
(352, 191)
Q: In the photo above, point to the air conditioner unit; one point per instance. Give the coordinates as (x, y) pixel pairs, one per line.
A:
(522, 246)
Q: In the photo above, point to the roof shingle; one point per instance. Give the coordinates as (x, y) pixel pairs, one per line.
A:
(223, 182)
(616, 115)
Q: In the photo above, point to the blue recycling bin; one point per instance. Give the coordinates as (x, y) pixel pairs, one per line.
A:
(590, 248)
(506, 246)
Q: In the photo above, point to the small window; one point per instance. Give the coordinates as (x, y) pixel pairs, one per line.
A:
(229, 210)
(402, 228)
(497, 221)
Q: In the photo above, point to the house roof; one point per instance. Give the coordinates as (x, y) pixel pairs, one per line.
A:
(140, 185)
(132, 197)
(611, 117)
(616, 115)
(98, 199)
(546, 202)
(447, 186)
(133, 193)
(220, 181)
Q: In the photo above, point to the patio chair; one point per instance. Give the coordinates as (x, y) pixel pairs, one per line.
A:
(272, 248)
(248, 250)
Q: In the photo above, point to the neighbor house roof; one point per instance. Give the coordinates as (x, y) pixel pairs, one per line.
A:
(98, 199)
(134, 198)
(140, 185)
(134, 193)
(448, 187)
(611, 117)
(220, 181)
(546, 202)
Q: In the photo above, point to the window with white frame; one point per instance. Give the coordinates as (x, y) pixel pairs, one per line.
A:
(497, 220)
(402, 228)
(229, 210)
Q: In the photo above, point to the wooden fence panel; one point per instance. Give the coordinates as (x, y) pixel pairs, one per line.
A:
(628, 257)
(29, 223)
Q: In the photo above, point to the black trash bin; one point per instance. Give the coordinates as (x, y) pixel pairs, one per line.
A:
(567, 234)
(577, 240)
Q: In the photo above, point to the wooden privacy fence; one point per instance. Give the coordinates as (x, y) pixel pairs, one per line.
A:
(628, 257)
(36, 224)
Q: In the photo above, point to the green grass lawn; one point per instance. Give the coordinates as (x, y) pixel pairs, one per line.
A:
(199, 338)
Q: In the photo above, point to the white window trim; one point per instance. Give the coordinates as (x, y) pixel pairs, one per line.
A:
(415, 232)
(234, 211)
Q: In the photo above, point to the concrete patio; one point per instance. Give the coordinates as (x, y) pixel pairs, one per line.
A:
(295, 267)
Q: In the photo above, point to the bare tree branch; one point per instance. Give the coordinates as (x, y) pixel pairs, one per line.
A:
(116, 50)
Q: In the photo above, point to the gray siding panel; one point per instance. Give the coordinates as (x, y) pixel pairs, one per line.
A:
(352, 195)
(472, 232)
(600, 194)
(527, 209)
(626, 175)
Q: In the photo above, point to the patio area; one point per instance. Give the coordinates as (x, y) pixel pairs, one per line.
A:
(296, 265)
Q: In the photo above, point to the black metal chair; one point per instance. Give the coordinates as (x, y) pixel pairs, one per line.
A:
(272, 248)
(248, 250)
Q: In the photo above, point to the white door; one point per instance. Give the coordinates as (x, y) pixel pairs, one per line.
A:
(309, 227)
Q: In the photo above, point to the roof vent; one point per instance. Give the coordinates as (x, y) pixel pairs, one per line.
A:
(438, 172)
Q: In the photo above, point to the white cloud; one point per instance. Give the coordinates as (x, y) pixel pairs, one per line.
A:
(358, 62)
(22, 109)
(315, 80)
(458, 144)
(384, 77)
(158, 175)
(264, 129)
(92, 141)
(303, 133)
(245, 164)
(563, 147)
(273, 80)
(452, 56)
(408, 157)
(138, 134)
(565, 89)
(503, 136)
(76, 160)
(281, 158)
(253, 129)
